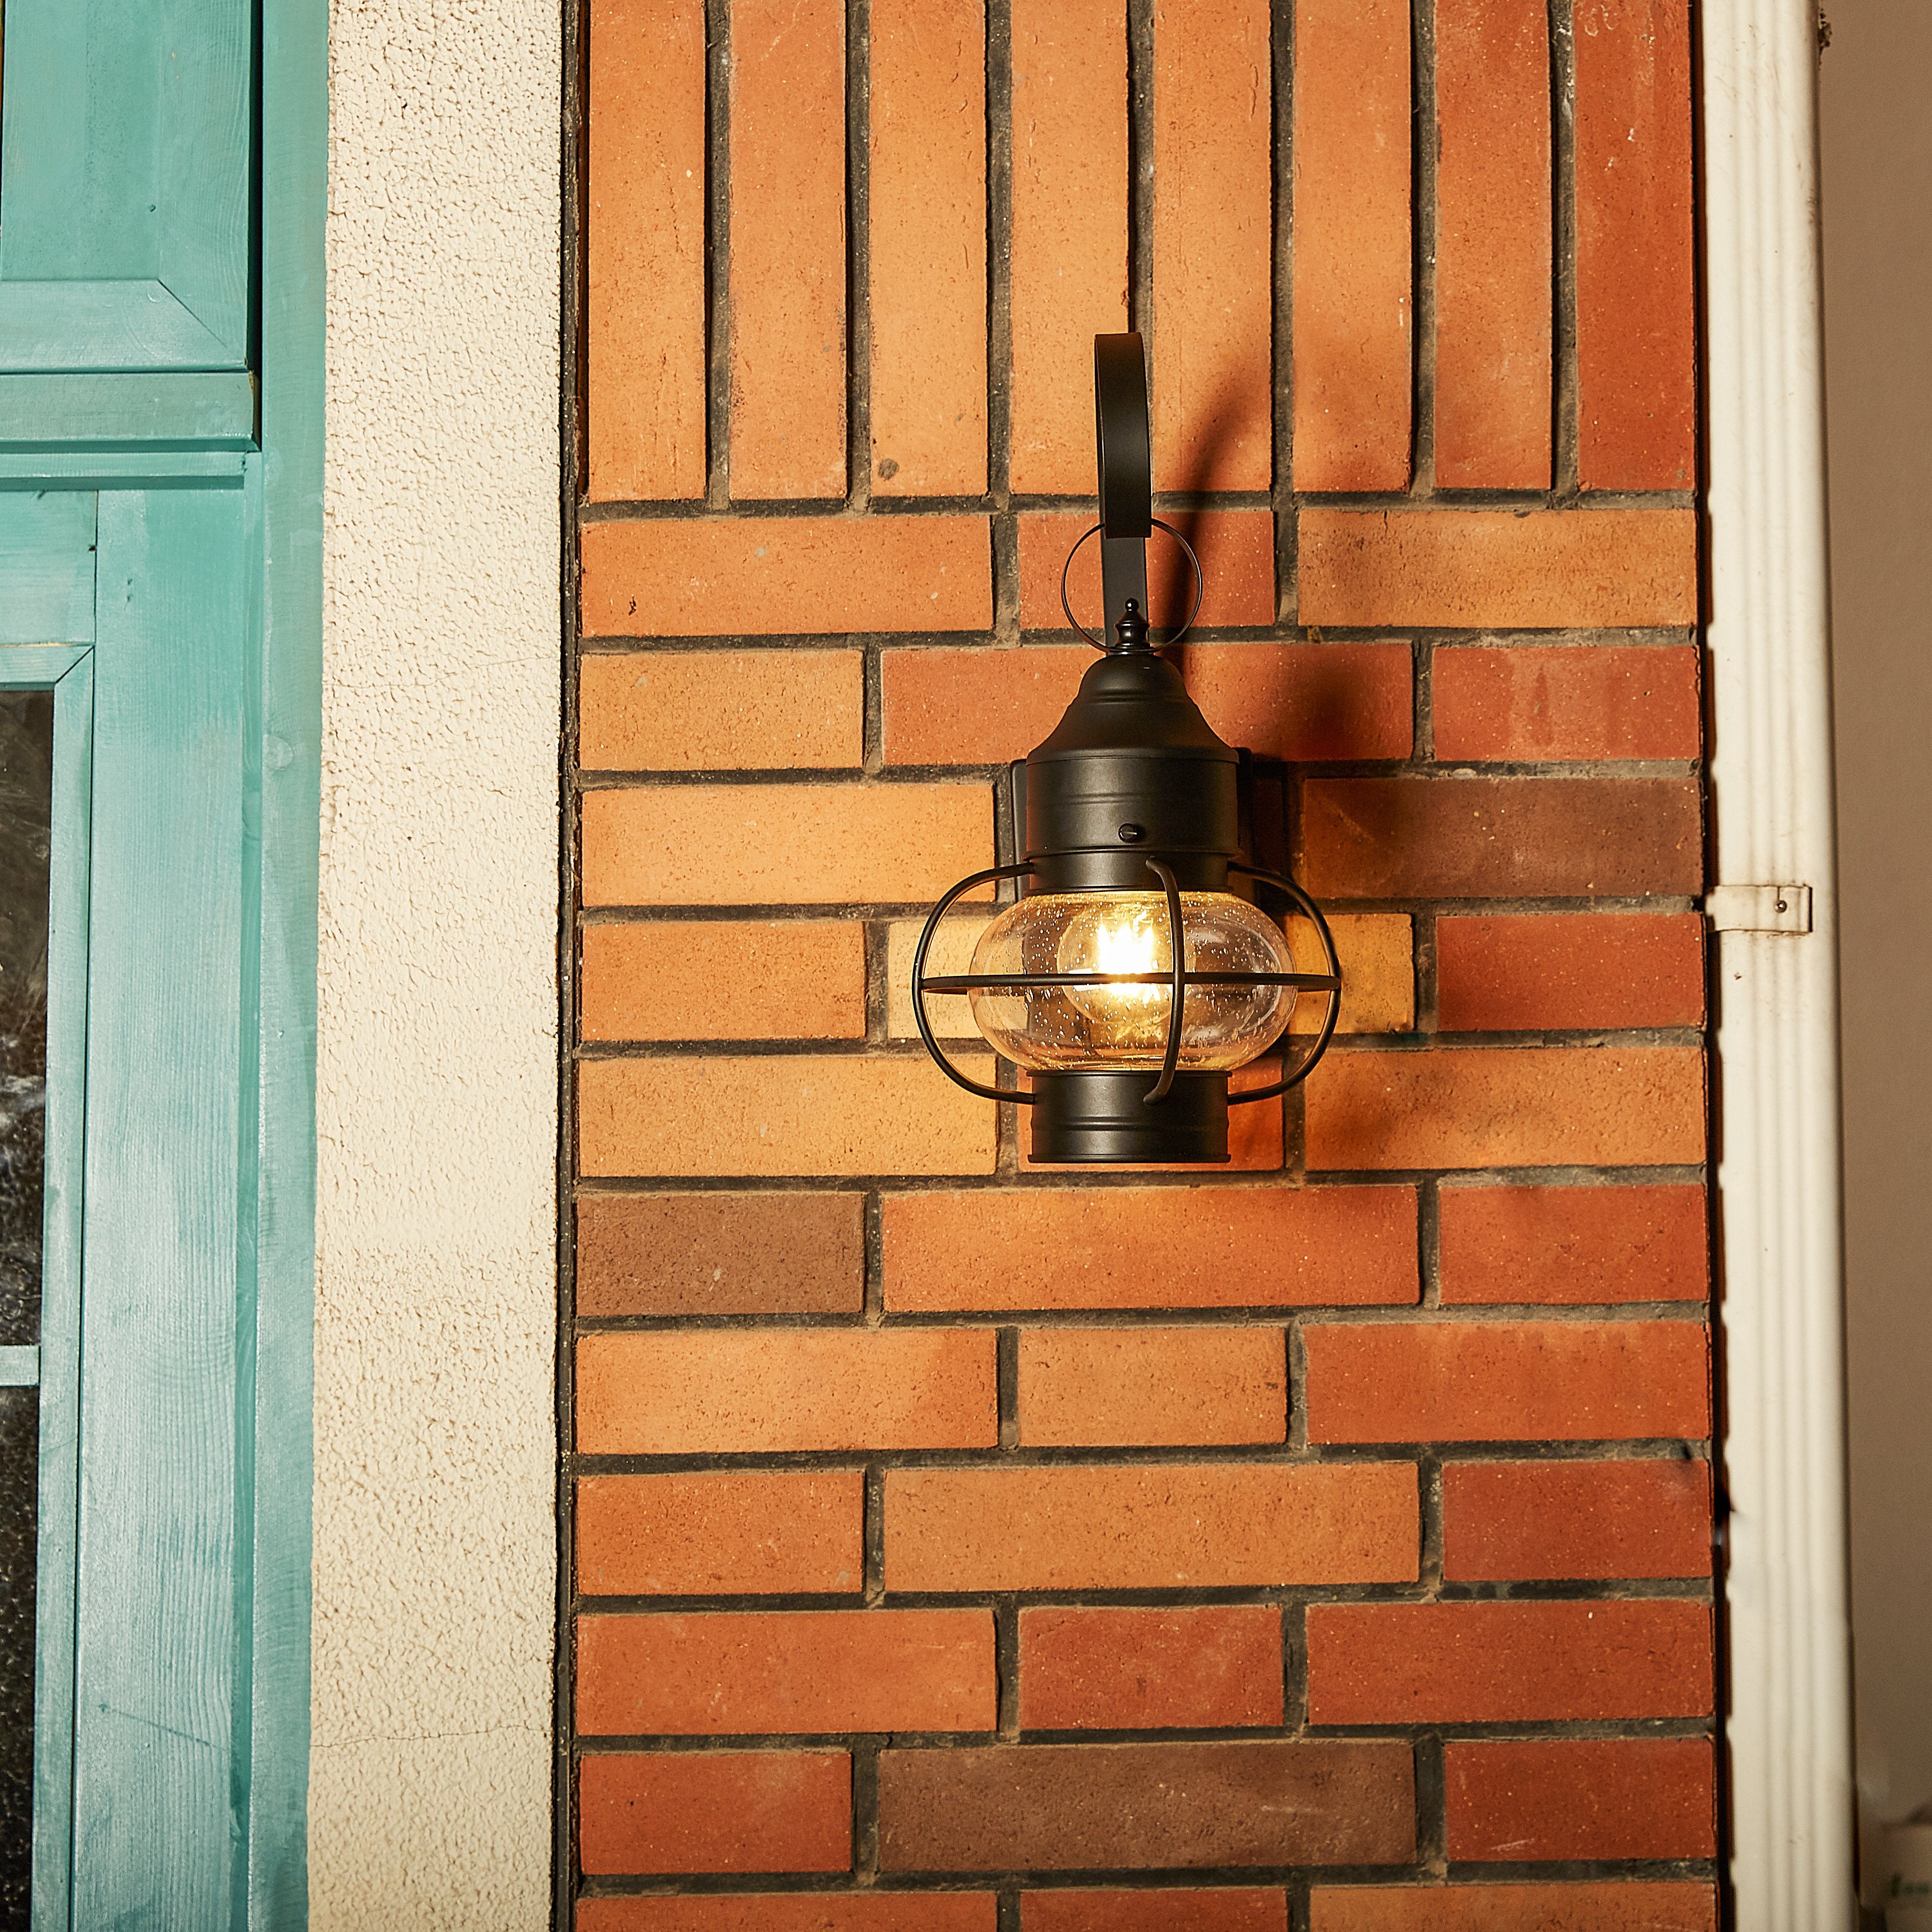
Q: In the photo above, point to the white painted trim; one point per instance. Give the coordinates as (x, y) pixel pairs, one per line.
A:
(1777, 1097)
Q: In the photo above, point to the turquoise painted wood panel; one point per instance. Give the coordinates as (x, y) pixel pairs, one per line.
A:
(46, 567)
(162, 1670)
(164, 410)
(124, 173)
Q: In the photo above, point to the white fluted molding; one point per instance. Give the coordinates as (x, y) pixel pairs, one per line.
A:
(1777, 1095)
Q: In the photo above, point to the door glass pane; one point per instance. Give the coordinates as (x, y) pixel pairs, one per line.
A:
(26, 795)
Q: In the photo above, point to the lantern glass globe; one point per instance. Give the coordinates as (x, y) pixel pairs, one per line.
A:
(1121, 1023)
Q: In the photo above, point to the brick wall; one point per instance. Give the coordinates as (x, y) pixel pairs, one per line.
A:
(1321, 1542)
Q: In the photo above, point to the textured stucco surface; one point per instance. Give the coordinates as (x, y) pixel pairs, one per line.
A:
(435, 1541)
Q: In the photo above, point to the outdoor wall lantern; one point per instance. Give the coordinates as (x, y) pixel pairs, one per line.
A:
(1131, 976)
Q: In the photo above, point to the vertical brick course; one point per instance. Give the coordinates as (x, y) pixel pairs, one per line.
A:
(961, 1544)
(1212, 388)
(1493, 314)
(1636, 258)
(643, 330)
(1354, 305)
(1069, 244)
(787, 274)
(926, 195)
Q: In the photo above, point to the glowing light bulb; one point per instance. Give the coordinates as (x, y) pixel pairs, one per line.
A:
(1124, 1024)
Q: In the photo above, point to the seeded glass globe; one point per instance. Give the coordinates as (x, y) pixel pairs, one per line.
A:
(1054, 1029)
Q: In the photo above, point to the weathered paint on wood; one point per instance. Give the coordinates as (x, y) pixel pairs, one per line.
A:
(46, 567)
(125, 172)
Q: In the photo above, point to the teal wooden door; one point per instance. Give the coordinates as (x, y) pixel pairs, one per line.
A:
(124, 182)
(161, 197)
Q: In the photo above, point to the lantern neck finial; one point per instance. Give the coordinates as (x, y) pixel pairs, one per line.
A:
(1131, 632)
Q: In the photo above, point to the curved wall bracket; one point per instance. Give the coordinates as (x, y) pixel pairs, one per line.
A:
(1125, 467)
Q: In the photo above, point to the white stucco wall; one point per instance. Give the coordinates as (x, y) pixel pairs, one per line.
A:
(435, 1541)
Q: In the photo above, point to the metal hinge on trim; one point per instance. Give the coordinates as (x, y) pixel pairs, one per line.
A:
(1758, 908)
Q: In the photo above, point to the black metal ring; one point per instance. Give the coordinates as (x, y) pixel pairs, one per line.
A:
(1178, 998)
(1200, 588)
(918, 988)
(957, 983)
(1283, 884)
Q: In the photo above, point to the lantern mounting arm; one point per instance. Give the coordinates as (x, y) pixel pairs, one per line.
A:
(1125, 453)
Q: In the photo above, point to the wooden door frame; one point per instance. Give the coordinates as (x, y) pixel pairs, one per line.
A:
(256, 434)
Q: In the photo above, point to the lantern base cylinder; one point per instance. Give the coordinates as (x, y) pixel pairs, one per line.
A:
(1098, 1117)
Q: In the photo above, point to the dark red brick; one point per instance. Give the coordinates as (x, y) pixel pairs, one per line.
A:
(1501, 838)
(1075, 1808)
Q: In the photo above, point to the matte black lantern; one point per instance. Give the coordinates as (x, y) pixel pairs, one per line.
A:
(1133, 974)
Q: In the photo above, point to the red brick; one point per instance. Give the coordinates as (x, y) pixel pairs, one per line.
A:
(1150, 1527)
(1225, 1909)
(1523, 569)
(782, 844)
(644, 321)
(715, 1811)
(788, 261)
(726, 1391)
(1150, 1247)
(1069, 255)
(1569, 1907)
(795, 1912)
(1610, 1797)
(1430, 1663)
(724, 979)
(1305, 702)
(1492, 245)
(1567, 701)
(1143, 1807)
(1495, 1381)
(926, 196)
(720, 1254)
(979, 706)
(1574, 1244)
(1486, 838)
(1353, 306)
(762, 1117)
(1133, 1670)
(1527, 972)
(1179, 1387)
(697, 576)
(1636, 350)
(1236, 548)
(1609, 1520)
(1471, 1107)
(1213, 281)
(728, 1673)
(735, 1532)
(695, 711)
